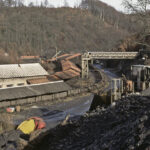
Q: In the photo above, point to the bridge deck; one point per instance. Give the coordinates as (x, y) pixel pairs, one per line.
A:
(111, 55)
(104, 55)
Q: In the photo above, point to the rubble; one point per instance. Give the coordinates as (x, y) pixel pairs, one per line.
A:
(123, 126)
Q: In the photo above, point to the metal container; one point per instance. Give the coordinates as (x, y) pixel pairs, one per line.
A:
(136, 71)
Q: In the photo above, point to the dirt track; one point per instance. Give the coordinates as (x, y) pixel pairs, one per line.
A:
(125, 126)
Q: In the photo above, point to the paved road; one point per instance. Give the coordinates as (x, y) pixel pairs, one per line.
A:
(110, 76)
(107, 71)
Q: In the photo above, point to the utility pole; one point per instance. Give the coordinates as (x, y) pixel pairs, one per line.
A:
(56, 52)
(56, 46)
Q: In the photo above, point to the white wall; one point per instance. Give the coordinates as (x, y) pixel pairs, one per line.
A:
(4, 83)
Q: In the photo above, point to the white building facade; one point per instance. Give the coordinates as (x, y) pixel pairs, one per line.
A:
(13, 75)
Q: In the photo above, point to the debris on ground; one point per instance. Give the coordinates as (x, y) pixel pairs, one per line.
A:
(123, 126)
(65, 120)
(17, 139)
(10, 109)
(30, 125)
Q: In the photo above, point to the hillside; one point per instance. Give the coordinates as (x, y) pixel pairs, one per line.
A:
(42, 31)
(139, 37)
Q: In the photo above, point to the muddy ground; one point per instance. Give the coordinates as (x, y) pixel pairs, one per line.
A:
(125, 126)
(53, 115)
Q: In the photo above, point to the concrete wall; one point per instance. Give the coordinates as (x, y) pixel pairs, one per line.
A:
(50, 98)
(14, 82)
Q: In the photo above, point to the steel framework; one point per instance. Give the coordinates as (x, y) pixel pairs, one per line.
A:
(90, 56)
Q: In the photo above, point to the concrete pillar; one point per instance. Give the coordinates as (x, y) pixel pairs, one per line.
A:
(85, 68)
(139, 80)
(143, 86)
(115, 89)
(116, 86)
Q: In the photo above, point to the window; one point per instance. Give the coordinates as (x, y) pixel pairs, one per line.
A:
(20, 84)
(9, 85)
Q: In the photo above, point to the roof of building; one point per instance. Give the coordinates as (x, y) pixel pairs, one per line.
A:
(33, 90)
(59, 57)
(38, 80)
(67, 74)
(62, 75)
(53, 78)
(21, 70)
(69, 65)
(29, 57)
(73, 56)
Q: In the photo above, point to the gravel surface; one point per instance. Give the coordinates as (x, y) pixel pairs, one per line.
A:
(125, 126)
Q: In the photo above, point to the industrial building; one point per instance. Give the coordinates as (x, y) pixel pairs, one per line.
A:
(13, 75)
(33, 90)
(140, 76)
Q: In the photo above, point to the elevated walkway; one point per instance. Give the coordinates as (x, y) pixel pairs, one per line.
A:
(90, 56)
(111, 55)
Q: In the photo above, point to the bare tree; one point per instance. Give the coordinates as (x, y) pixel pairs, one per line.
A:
(2, 3)
(66, 3)
(46, 3)
(141, 9)
(41, 5)
(31, 4)
(20, 3)
(8, 3)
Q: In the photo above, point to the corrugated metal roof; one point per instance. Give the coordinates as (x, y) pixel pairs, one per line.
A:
(69, 65)
(29, 57)
(59, 57)
(73, 56)
(37, 80)
(53, 78)
(67, 74)
(33, 90)
(21, 70)
(72, 73)
(62, 75)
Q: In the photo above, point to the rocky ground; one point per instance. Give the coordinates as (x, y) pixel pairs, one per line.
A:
(125, 126)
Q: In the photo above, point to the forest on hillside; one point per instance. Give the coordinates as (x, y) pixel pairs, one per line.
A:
(39, 30)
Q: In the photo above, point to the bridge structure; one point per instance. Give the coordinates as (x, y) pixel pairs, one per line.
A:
(90, 56)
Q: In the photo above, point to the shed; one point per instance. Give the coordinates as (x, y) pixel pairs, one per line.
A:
(33, 90)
